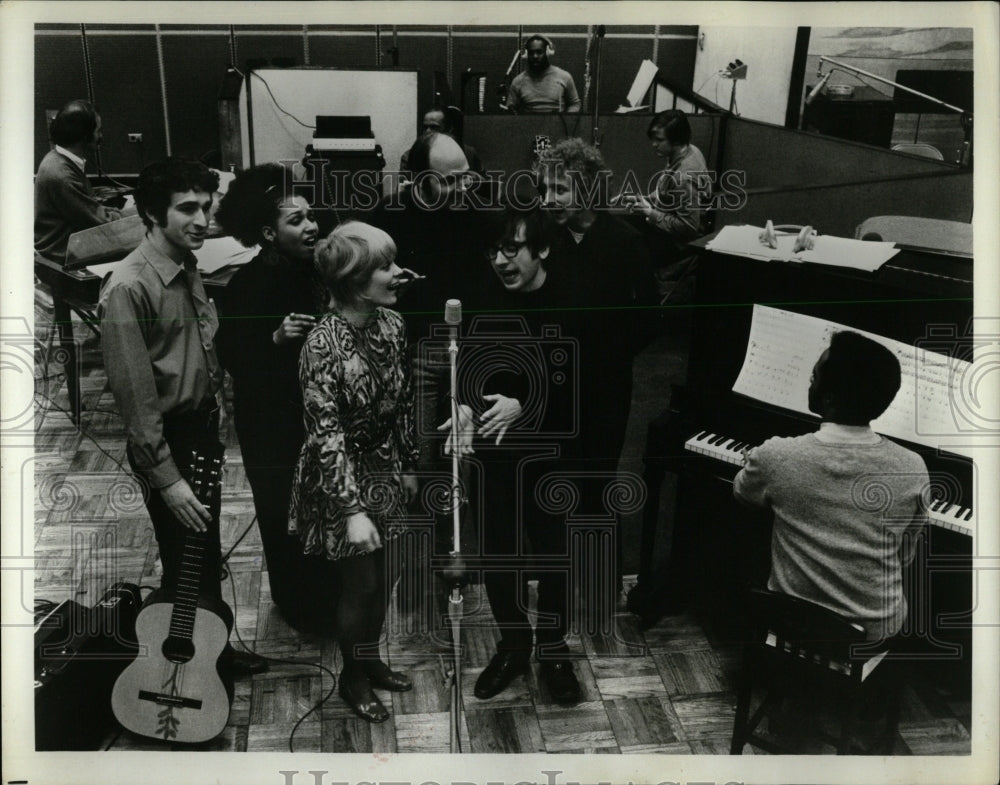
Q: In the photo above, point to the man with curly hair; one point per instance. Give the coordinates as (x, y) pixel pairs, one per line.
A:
(609, 279)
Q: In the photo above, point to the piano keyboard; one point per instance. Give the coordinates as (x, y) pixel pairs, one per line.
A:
(722, 448)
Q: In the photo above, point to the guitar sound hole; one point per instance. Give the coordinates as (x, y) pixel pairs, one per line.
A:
(178, 650)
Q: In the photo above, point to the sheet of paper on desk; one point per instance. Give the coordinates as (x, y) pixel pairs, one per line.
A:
(827, 249)
(844, 252)
(216, 253)
(220, 252)
(100, 270)
(745, 241)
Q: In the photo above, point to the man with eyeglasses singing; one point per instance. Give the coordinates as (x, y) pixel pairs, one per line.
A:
(520, 386)
(607, 264)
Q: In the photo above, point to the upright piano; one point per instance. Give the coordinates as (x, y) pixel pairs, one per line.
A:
(719, 547)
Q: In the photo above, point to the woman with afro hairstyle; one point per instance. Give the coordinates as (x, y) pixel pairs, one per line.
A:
(271, 305)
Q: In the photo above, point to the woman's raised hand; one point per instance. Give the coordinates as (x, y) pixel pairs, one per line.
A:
(293, 327)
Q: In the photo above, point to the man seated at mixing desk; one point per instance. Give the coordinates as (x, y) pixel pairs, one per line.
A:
(847, 502)
(64, 201)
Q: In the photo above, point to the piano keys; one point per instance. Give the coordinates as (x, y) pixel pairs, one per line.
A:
(719, 546)
(730, 451)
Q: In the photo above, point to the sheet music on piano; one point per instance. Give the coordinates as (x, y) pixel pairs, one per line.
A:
(783, 347)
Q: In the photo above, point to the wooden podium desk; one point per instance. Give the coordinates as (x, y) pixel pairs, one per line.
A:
(79, 290)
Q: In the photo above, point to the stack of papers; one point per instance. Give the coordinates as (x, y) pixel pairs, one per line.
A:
(216, 253)
(834, 251)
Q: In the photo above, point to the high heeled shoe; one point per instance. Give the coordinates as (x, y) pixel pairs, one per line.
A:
(357, 693)
(380, 675)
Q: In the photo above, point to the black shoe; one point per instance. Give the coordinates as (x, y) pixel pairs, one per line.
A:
(561, 680)
(244, 664)
(501, 671)
(357, 693)
(381, 676)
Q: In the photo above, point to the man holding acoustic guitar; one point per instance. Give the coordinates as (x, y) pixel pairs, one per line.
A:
(158, 329)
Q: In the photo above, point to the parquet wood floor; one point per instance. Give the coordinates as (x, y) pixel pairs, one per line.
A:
(669, 689)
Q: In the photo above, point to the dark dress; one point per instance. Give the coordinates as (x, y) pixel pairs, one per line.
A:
(267, 404)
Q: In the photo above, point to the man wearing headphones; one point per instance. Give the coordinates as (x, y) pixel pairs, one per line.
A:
(64, 202)
(543, 87)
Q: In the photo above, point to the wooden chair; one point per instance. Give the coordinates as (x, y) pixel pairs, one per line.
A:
(799, 648)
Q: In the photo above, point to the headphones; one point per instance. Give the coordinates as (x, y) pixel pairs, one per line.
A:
(549, 48)
(805, 241)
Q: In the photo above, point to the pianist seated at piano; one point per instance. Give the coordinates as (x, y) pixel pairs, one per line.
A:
(64, 201)
(848, 503)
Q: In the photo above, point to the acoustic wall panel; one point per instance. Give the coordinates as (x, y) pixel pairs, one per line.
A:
(773, 157)
(838, 210)
(127, 90)
(345, 48)
(59, 77)
(195, 66)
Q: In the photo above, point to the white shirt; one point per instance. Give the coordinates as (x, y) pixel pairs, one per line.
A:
(836, 433)
(81, 162)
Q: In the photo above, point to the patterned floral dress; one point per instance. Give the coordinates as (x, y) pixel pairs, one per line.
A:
(358, 414)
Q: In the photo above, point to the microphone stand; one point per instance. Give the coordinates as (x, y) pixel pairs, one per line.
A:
(598, 43)
(455, 575)
(966, 116)
(505, 84)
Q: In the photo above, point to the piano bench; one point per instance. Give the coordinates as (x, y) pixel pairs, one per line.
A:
(798, 648)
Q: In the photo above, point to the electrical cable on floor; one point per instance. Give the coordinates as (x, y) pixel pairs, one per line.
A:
(83, 432)
(115, 739)
(232, 548)
(42, 606)
(283, 660)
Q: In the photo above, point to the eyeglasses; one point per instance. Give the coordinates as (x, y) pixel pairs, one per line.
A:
(509, 248)
(462, 181)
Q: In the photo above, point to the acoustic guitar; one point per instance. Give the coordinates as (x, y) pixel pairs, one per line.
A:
(174, 689)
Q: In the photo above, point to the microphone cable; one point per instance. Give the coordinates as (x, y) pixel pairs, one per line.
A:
(282, 660)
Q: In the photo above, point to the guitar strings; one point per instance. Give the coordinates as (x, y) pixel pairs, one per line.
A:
(224, 574)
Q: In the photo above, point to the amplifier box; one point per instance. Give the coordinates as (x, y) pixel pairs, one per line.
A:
(79, 652)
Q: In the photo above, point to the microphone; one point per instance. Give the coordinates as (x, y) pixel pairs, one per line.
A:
(453, 312)
(819, 86)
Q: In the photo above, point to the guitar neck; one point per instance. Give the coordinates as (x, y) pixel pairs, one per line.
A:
(188, 588)
(206, 475)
